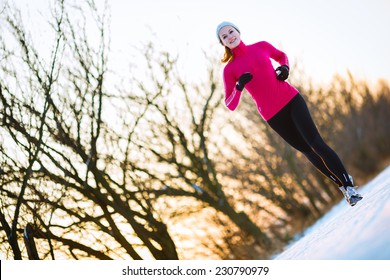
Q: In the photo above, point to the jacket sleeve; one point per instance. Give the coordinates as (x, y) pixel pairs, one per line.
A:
(232, 95)
(277, 55)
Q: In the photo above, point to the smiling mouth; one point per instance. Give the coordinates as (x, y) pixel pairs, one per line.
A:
(232, 41)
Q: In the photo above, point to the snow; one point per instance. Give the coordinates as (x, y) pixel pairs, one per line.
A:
(361, 232)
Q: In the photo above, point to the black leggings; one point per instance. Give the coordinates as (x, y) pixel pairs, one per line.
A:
(295, 125)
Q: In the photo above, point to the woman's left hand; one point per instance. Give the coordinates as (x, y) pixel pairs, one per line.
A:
(282, 72)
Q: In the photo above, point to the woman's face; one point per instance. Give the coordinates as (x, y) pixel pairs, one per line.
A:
(230, 37)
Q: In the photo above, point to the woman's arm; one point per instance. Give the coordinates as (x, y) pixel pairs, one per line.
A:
(276, 54)
(232, 94)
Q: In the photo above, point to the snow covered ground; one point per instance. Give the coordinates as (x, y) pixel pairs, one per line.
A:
(361, 232)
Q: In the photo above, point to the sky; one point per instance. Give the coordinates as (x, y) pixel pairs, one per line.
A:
(322, 37)
(325, 37)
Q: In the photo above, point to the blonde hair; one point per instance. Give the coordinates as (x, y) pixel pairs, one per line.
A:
(227, 56)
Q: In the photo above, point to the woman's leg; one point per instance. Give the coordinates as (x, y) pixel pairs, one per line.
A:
(304, 123)
(283, 124)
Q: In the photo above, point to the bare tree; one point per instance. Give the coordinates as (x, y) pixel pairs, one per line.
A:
(65, 169)
(183, 141)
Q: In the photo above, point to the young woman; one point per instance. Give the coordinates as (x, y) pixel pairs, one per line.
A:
(279, 103)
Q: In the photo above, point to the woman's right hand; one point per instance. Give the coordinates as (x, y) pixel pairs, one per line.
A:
(243, 80)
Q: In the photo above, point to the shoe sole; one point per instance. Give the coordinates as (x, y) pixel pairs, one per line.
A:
(355, 199)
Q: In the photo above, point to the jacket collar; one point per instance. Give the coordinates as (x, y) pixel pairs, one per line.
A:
(239, 50)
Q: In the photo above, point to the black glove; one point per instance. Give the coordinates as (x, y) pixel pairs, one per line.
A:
(282, 72)
(243, 80)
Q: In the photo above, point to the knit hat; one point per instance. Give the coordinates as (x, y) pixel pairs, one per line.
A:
(222, 25)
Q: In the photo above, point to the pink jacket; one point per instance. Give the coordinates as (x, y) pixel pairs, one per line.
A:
(270, 94)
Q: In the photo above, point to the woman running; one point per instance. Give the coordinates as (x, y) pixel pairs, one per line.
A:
(279, 103)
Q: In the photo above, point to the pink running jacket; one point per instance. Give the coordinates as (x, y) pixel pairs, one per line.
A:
(270, 94)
